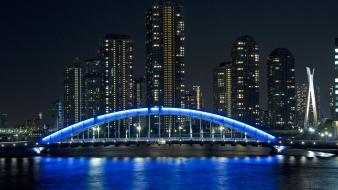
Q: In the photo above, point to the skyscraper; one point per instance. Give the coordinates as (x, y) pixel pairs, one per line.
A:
(92, 72)
(222, 89)
(140, 93)
(194, 98)
(165, 68)
(58, 115)
(245, 80)
(335, 87)
(73, 93)
(334, 108)
(281, 88)
(117, 61)
(3, 120)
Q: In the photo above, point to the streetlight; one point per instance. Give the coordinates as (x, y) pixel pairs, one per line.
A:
(222, 131)
(311, 130)
(139, 131)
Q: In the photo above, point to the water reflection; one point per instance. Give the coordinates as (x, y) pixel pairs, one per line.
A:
(260, 172)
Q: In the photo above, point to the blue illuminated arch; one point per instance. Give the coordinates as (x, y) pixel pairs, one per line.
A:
(231, 123)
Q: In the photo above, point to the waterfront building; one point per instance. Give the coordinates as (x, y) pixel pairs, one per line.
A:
(92, 72)
(194, 98)
(73, 93)
(57, 115)
(335, 89)
(281, 88)
(117, 62)
(165, 51)
(245, 80)
(140, 93)
(117, 89)
(3, 120)
(222, 89)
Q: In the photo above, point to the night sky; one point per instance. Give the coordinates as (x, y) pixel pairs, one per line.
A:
(39, 38)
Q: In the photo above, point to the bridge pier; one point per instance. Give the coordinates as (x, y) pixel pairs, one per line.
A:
(190, 128)
(159, 126)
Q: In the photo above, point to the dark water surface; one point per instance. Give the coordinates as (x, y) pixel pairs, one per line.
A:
(264, 172)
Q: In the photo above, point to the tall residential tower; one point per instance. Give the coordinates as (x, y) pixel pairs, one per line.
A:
(281, 88)
(222, 89)
(73, 93)
(245, 80)
(117, 70)
(165, 68)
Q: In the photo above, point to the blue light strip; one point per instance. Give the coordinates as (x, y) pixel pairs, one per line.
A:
(231, 123)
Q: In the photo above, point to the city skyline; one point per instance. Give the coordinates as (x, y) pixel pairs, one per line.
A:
(196, 65)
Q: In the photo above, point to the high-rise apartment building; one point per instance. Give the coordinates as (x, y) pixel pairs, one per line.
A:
(222, 89)
(281, 88)
(117, 70)
(334, 102)
(335, 86)
(92, 73)
(165, 68)
(245, 80)
(58, 115)
(194, 98)
(3, 120)
(140, 93)
(73, 93)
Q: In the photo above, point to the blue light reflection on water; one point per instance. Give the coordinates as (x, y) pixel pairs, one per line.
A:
(272, 172)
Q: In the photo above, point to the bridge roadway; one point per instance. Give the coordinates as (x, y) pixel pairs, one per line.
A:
(299, 144)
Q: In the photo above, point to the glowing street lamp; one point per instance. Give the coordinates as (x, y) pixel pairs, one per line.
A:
(222, 128)
(139, 131)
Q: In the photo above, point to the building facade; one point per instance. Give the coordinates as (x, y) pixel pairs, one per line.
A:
(194, 98)
(117, 81)
(165, 68)
(92, 71)
(281, 88)
(140, 93)
(3, 120)
(58, 115)
(245, 80)
(335, 86)
(73, 93)
(222, 91)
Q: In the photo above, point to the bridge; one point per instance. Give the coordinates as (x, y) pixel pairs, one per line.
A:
(214, 132)
(195, 127)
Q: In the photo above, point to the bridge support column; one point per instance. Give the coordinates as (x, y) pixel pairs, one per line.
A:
(179, 131)
(190, 128)
(159, 126)
(201, 129)
(108, 130)
(128, 128)
(148, 127)
(222, 133)
(118, 129)
(210, 130)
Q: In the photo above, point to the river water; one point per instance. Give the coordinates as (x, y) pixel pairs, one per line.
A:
(255, 172)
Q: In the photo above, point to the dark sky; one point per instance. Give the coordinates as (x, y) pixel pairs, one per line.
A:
(39, 38)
